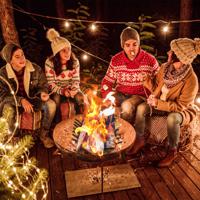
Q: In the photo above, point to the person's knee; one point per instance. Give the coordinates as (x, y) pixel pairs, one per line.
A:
(127, 111)
(51, 105)
(173, 119)
(142, 109)
(127, 107)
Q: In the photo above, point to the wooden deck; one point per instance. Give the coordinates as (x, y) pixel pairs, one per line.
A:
(180, 181)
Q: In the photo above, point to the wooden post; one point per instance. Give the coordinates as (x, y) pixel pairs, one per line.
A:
(7, 22)
(185, 14)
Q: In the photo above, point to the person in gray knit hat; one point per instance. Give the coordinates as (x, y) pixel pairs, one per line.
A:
(126, 72)
(30, 88)
(173, 92)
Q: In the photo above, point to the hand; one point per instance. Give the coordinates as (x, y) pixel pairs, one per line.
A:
(73, 93)
(107, 103)
(66, 93)
(144, 76)
(44, 96)
(28, 107)
(152, 101)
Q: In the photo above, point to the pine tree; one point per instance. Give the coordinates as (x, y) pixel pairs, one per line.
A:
(19, 176)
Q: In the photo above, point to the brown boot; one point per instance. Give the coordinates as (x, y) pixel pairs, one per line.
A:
(170, 157)
(139, 144)
(46, 140)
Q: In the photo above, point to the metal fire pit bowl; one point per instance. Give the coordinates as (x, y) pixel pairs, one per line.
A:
(62, 136)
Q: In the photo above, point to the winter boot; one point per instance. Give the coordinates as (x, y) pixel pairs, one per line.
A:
(169, 158)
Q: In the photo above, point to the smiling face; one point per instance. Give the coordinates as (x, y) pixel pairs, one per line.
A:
(65, 54)
(18, 60)
(131, 48)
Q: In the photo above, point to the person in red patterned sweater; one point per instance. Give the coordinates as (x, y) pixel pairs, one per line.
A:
(126, 73)
(62, 70)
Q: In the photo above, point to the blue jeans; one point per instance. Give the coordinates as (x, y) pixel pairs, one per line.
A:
(174, 120)
(48, 108)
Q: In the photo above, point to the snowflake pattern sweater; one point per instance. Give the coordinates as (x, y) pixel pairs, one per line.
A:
(127, 75)
(66, 80)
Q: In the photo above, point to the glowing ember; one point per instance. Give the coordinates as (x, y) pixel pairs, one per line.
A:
(98, 130)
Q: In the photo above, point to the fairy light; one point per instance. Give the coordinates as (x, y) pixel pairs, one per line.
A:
(16, 158)
(16, 124)
(67, 24)
(85, 57)
(93, 27)
(165, 28)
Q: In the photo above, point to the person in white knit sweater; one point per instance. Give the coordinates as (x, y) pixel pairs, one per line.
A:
(62, 70)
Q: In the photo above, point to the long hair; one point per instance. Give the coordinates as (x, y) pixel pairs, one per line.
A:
(57, 63)
(174, 58)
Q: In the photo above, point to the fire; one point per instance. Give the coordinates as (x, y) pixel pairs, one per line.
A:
(96, 128)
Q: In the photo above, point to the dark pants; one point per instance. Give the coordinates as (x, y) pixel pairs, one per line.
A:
(128, 104)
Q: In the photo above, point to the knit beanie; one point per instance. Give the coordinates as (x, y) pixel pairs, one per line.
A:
(7, 51)
(57, 42)
(129, 33)
(186, 49)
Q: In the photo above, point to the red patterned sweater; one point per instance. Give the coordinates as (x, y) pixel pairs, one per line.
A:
(126, 75)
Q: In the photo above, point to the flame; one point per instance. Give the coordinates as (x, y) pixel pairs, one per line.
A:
(95, 126)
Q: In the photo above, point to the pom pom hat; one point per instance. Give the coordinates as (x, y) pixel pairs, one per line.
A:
(57, 42)
(186, 49)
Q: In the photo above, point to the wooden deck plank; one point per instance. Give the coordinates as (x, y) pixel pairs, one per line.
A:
(57, 176)
(135, 194)
(157, 182)
(106, 196)
(190, 171)
(185, 181)
(43, 162)
(120, 195)
(147, 188)
(192, 160)
(196, 152)
(180, 181)
(173, 184)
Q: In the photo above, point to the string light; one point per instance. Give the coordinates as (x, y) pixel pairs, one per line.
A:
(9, 154)
(165, 28)
(93, 27)
(85, 57)
(67, 24)
(101, 22)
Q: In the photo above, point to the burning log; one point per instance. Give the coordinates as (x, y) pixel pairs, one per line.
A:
(98, 132)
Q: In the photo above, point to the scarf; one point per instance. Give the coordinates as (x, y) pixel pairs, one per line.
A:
(172, 76)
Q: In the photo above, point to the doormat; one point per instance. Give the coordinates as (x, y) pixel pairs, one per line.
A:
(88, 181)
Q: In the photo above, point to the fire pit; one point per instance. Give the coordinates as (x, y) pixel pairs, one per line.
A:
(112, 178)
(98, 135)
(63, 136)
